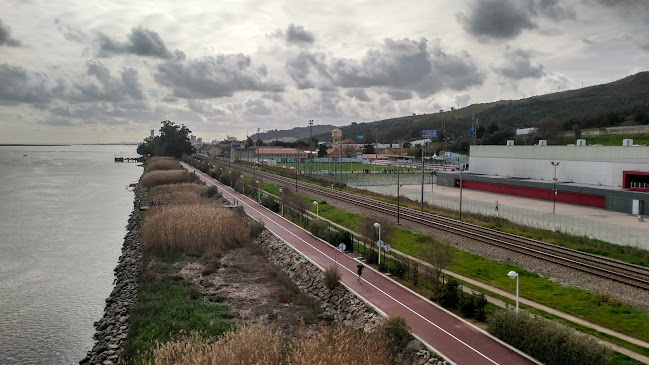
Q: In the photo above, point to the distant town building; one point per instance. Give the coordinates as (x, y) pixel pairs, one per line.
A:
(526, 131)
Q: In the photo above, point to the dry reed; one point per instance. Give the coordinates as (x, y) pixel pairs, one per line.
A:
(163, 165)
(159, 158)
(341, 345)
(246, 346)
(192, 228)
(164, 177)
(258, 344)
(178, 193)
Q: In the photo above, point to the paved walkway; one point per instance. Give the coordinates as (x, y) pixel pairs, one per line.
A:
(448, 335)
(529, 303)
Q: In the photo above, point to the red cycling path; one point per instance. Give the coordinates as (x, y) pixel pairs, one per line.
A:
(457, 341)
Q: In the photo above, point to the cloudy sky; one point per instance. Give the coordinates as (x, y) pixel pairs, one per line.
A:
(109, 71)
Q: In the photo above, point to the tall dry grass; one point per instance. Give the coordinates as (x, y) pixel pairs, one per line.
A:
(259, 345)
(159, 158)
(246, 346)
(163, 165)
(179, 193)
(164, 177)
(192, 228)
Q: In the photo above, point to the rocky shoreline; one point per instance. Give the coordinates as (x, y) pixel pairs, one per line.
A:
(112, 328)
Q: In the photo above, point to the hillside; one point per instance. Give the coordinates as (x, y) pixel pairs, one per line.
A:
(297, 132)
(623, 102)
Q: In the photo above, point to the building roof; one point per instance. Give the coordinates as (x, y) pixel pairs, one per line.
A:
(349, 141)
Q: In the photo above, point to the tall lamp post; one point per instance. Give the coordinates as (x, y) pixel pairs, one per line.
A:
(317, 214)
(398, 196)
(379, 243)
(461, 178)
(514, 275)
(554, 200)
(280, 193)
(258, 192)
(243, 184)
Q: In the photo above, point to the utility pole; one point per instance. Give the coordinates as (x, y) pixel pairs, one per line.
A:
(461, 176)
(257, 144)
(311, 145)
(475, 130)
(422, 176)
(341, 162)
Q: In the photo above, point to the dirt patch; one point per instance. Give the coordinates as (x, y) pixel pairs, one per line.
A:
(255, 290)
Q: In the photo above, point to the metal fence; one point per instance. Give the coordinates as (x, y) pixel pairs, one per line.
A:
(613, 233)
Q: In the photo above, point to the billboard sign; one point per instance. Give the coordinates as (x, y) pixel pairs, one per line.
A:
(429, 133)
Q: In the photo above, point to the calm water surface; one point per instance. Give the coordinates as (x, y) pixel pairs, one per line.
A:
(63, 212)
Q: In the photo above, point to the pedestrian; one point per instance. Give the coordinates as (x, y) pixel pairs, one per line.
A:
(496, 205)
(360, 271)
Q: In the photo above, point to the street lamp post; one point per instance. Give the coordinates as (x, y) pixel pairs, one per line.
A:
(317, 214)
(231, 179)
(398, 196)
(243, 185)
(554, 200)
(514, 275)
(461, 178)
(258, 192)
(280, 193)
(376, 225)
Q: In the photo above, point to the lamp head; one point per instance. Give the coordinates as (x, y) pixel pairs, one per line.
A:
(376, 225)
(512, 274)
(315, 202)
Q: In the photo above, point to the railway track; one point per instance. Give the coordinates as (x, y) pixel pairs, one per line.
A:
(619, 271)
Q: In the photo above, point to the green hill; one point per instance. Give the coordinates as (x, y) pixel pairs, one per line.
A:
(623, 102)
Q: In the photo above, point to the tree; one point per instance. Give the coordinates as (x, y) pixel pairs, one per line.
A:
(249, 142)
(492, 127)
(549, 129)
(439, 255)
(577, 130)
(369, 148)
(172, 141)
(322, 151)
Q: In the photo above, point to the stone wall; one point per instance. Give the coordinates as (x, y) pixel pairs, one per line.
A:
(112, 328)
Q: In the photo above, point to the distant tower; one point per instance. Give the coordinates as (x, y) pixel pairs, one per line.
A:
(153, 133)
(337, 135)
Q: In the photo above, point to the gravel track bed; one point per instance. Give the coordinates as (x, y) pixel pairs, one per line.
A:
(556, 273)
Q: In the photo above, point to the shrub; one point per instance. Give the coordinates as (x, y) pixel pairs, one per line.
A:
(449, 298)
(473, 305)
(270, 203)
(547, 341)
(336, 237)
(163, 177)
(211, 191)
(319, 228)
(164, 164)
(159, 158)
(332, 277)
(397, 331)
(256, 228)
(192, 228)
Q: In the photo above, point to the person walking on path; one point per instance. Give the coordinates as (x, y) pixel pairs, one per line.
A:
(360, 271)
(496, 205)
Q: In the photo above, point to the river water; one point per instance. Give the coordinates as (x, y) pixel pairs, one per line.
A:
(63, 212)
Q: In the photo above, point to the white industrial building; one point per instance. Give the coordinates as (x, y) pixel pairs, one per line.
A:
(591, 165)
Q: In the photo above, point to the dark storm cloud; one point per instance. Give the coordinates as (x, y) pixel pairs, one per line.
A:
(397, 64)
(627, 7)
(5, 36)
(294, 34)
(215, 76)
(506, 19)
(18, 85)
(359, 94)
(110, 88)
(141, 42)
(518, 65)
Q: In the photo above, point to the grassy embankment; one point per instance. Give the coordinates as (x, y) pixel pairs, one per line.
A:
(172, 323)
(594, 307)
